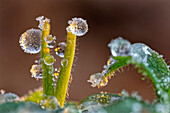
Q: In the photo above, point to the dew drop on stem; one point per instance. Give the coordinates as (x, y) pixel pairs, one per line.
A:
(64, 62)
(30, 41)
(49, 60)
(49, 38)
(60, 50)
(52, 44)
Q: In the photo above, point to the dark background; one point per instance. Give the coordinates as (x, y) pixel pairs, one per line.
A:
(146, 21)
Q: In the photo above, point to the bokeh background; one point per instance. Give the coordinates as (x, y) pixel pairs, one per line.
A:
(136, 20)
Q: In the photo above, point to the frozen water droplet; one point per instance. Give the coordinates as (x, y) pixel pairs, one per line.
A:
(119, 47)
(77, 26)
(51, 102)
(36, 71)
(96, 79)
(49, 60)
(49, 38)
(60, 50)
(64, 62)
(30, 41)
(139, 52)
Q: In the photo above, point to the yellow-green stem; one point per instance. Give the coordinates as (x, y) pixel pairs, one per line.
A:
(64, 76)
(48, 83)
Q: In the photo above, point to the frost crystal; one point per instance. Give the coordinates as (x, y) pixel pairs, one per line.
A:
(30, 41)
(36, 71)
(98, 80)
(77, 26)
(119, 47)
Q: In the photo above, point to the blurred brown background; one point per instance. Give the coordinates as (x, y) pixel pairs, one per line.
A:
(136, 20)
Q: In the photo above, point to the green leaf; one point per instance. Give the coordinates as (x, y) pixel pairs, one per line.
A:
(130, 105)
(20, 107)
(95, 101)
(148, 62)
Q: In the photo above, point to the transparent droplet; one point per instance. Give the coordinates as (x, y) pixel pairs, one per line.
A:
(30, 41)
(49, 60)
(77, 26)
(52, 44)
(139, 52)
(96, 79)
(36, 71)
(119, 47)
(51, 102)
(64, 62)
(49, 38)
(8, 97)
(60, 50)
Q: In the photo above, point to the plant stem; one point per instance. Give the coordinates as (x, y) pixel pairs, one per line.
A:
(48, 83)
(64, 76)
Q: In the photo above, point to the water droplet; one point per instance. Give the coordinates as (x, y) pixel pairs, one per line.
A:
(30, 41)
(49, 38)
(51, 102)
(60, 50)
(52, 44)
(49, 60)
(64, 62)
(77, 26)
(36, 71)
(140, 52)
(119, 47)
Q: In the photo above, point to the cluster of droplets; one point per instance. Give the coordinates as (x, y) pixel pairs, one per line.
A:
(30, 41)
(120, 47)
(77, 26)
(60, 49)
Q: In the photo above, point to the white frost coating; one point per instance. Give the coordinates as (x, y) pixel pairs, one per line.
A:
(95, 79)
(30, 41)
(42, 21)
(77, 26)
(119, 47)
(136, 108)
